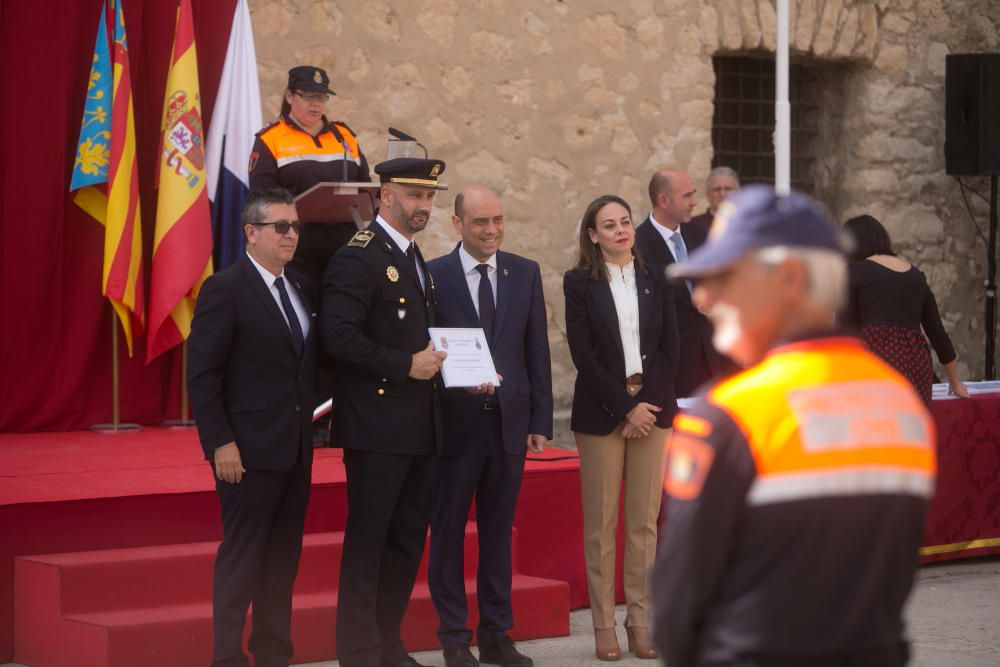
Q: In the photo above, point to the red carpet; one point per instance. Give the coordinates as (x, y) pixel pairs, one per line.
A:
(70, 492)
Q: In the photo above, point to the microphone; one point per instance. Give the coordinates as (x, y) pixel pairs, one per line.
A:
(399, 134)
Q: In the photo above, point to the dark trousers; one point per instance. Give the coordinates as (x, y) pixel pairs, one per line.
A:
(485, 470)
(388, 503)
(262, 521)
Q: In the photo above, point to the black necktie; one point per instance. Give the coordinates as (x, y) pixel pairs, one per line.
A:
(411, 255)
(293, 319)
(487, 307)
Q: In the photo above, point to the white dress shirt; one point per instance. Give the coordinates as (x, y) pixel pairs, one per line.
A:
(626, 297)
(403, 244)
(472, 275)
(293, 296)
(668, 235)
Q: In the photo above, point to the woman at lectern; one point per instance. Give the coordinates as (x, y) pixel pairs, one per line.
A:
(621, 326)
(890, 302)
(303, 148)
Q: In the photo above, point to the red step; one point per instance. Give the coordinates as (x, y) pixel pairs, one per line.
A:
(152, 605)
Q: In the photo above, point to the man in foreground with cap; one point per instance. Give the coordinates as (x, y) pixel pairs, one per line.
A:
(377, 306)
(798, 487)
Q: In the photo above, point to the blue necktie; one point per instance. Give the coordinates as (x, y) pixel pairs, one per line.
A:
(293, 320)
(487, 308)
(680, 251)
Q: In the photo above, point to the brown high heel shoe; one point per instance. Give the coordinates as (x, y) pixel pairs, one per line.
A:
(640, 644)
(606, 646)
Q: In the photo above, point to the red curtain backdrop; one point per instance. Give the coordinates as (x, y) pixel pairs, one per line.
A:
(55, 354)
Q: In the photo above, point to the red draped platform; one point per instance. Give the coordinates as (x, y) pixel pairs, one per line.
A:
(69, 492)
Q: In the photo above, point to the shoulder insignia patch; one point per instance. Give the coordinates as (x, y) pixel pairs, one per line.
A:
(361, 239)
(688, 462)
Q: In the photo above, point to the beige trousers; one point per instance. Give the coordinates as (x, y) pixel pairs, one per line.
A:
(604, 461)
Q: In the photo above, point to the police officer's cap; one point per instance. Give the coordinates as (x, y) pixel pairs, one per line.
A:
(412, 171)
(756, 218)
(309, 79)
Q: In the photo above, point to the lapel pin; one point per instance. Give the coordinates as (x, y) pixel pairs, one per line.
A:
(647, 290)
(506, 272)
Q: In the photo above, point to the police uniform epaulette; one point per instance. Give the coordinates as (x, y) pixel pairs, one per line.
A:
(361, 239)
(266, 128)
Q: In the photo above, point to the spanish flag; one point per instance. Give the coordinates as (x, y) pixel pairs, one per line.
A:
(105, 175)
(182, 245)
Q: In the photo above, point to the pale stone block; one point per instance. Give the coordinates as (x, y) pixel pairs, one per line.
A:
(539, 32)
(750, 20)
(379, 20)
(440, 133)
(848, 33)
(516, 92)
(649, 34)
(602, 98)
(623, 139)
(730, 32)
(823, 43)
(936, 53)
(326, 18)
(805, 25)
(403, 90)
(486, 168)
(512, 132)
(896, 22)
(707, 30)
(628, 82)
(437, 20)
(649, 109)
(358, 65)
(456, 82)
(892, 58)
(551, 169)
(768, 25)
(868, 27)
(590, 75)
(491, 45)
(874, 181)
(272, 20)
(603, 33)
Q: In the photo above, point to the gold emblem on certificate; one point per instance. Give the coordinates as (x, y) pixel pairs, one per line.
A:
(392, 273)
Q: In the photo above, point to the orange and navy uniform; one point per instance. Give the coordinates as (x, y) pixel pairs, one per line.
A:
(285, 155)
(798, 492)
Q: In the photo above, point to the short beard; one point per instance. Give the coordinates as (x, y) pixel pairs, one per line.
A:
(404, 219)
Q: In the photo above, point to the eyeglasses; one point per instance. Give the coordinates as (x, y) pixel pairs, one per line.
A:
(282, 226)
(313, 98)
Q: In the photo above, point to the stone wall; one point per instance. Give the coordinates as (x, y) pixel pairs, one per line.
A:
(554, 102)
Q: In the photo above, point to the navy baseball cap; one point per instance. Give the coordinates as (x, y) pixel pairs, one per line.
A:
(758, 218)
(309, 79)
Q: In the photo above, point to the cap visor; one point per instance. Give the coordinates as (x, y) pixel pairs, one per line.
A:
(706, 261)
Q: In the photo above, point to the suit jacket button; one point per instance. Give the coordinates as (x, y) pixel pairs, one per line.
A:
(297, 408)
(381, 391)
(644, 357)
(385, 380)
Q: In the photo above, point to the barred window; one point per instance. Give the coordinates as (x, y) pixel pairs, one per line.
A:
(743, 124)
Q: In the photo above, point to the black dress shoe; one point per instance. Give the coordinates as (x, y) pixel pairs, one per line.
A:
(407, 661)
(459, 656)
(503, 653)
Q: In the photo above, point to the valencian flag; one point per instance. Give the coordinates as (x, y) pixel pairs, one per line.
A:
(230, 139)
(182, 245)
(105, 175)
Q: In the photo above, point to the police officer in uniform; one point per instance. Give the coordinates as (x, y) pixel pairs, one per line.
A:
(377, 306)
(303, 148)
(798, 487)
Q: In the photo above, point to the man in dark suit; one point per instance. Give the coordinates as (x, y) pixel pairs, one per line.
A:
(251, 359)
(664, 238)
(378, 303)
(488, 431)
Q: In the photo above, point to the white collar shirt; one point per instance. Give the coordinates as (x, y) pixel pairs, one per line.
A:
(668, 235)
(472, 275)
(403, 244)
(626, 297)
(293, 295)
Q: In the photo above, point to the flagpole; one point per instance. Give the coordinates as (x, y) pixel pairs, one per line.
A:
(116, 424)
(185, 420)
(782, 108)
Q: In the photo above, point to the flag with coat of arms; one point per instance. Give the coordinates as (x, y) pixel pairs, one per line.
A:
(182, 243)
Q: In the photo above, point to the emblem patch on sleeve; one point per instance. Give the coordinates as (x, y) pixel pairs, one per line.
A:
(253, 161)
(361, 239)
(688, 462)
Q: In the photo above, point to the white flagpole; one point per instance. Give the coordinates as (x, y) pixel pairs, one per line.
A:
(782, 109)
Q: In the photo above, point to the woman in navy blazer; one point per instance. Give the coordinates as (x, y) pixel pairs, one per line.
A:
(621, 325)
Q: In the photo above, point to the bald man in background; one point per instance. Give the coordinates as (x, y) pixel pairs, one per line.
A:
(666, 237)
(486, 433)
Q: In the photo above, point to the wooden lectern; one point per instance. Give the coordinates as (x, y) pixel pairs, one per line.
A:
(338, 203)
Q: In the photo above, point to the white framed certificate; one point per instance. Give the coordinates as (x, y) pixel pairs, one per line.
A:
(469, 362)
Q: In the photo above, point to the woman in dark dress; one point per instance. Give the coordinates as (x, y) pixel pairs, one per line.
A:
(890, 302)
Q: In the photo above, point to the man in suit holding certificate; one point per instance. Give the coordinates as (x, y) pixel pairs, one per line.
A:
(486, 434)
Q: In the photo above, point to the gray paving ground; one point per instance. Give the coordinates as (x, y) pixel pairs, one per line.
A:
(953, 617)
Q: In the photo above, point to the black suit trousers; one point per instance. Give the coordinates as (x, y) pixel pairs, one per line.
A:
(486, 470)
(262, 522)
(389, 501)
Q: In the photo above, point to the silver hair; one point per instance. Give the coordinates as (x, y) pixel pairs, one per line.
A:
(826, 269)
(721, 171)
